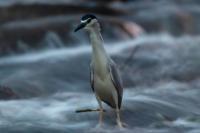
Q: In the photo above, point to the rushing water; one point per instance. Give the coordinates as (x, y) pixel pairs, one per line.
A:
(160, 72)
(161, 88)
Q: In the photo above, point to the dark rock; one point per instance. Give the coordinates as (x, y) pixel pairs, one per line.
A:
(7, 93)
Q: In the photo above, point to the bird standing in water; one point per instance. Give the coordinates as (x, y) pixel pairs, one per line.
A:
(104, 76)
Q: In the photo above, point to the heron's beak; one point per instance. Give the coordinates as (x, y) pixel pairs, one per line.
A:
(80, 26)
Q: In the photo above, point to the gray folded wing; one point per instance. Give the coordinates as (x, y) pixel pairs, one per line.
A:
(92, 77)
(116, 79)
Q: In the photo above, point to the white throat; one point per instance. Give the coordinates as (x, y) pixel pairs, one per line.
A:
(99, 56)
(97, 43)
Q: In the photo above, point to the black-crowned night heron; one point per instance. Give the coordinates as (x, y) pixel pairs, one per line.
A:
(105, 80)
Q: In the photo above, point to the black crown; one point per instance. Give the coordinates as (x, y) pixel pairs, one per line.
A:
(87, 16)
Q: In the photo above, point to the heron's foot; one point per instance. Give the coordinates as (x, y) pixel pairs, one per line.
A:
(124, 124)
(121, 125)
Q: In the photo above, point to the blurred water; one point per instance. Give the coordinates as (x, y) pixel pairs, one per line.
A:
(57, 113)
(161, 83)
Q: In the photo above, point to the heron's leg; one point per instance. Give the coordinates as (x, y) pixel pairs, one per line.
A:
(101, 110)
(119, 123)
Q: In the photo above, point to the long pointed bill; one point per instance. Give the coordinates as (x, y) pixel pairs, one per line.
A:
(80, 26)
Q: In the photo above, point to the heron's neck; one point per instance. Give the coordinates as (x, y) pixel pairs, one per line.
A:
(97, 42)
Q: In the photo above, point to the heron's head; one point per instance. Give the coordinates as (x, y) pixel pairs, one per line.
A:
(88, 21)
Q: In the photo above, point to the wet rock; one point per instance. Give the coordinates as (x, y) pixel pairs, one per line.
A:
(158, 61)
(37, 19)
